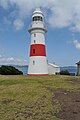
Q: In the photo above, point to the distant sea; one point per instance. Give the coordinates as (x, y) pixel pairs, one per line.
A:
(71, 69)
(24, 69)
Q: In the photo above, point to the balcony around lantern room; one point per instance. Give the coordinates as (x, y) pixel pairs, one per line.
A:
(37, 25)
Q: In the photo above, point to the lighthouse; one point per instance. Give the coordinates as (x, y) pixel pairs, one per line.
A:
(37, 61)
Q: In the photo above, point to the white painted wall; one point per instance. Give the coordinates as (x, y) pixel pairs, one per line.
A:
(53, 69)
(39, 39)
(40, 66)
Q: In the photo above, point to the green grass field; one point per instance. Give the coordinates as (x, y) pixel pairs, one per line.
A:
(32, 98)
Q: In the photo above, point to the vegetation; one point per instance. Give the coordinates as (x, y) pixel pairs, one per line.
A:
(64, 72)
(9, 70)
(32, 98)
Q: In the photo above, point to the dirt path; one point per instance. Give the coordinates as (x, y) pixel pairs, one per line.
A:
(70, 104)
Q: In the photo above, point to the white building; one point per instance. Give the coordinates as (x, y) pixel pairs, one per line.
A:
(53, 69)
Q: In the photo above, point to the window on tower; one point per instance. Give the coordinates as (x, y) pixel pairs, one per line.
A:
(37, 18)
(34, 34)
(33, 62)
(33, 51)
(34, 41)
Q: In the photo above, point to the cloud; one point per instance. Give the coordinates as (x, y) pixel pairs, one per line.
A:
(0, 56)
(6, 21)
(4, 3)
(77, 44)
(11, 60)
(18, 24)
(60, 13)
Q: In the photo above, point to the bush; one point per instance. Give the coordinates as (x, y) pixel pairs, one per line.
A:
(64, 72)
(9, 70)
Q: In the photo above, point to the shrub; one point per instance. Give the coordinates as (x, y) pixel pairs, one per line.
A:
(64, 72)
(9, 70)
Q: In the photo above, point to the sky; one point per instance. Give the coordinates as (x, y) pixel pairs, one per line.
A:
(62, 18)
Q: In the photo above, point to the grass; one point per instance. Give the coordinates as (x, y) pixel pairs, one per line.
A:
(31, 98)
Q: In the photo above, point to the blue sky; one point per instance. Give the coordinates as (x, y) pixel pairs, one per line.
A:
(62, 39)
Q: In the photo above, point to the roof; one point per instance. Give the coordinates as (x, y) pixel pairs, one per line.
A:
(53, 65)
(38, 10)
(78, 63)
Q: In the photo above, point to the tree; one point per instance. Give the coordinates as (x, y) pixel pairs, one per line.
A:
(64, 72)
(9, 70)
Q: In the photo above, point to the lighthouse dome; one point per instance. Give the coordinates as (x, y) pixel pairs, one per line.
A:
(37, 12)
(37, 21)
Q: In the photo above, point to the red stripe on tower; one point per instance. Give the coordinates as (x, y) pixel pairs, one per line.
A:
(37, 50)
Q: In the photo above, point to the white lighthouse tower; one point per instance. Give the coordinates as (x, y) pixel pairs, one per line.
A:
(37, 61)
